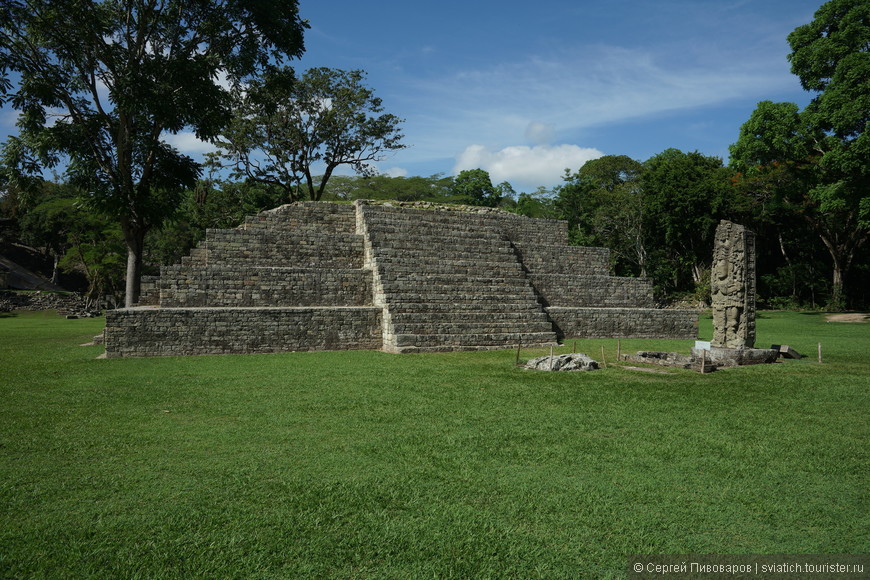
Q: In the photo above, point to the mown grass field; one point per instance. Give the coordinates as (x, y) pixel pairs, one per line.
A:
(370, 465)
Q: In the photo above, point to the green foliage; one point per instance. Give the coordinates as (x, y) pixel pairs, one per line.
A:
(604, 205)
(435, 188)
(686, 195)
(540, 204)
(53, 218)
(288, 129)
(99, 84)
(369, 465)
(816, 162)
(475, 187)
(97, 251)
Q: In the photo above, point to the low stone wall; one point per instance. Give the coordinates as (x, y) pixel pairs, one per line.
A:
(191, 331)
(624, 323)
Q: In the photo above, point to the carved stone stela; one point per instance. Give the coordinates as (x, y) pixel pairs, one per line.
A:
(732, 281)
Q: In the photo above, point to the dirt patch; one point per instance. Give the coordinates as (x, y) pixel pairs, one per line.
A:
(849, 317)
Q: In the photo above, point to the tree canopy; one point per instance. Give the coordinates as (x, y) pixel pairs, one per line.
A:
(816, 162)
(100, 84)
(293, 133)
(475, 187)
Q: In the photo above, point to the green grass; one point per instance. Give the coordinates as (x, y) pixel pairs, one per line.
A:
(370, 465)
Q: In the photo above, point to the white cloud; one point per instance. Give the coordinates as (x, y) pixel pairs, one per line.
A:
(558, 97)
(188, 143)
(526, 167)
(395, 172)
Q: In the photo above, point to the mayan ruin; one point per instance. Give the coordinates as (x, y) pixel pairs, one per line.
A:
(395, 277)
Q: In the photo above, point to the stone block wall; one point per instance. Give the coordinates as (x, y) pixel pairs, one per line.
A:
(196, 331)
(303, 249)
(237, 286)
(624, 322)
(563, 259)
(593, 291)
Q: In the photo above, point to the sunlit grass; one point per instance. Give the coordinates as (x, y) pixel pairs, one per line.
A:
(368, 465)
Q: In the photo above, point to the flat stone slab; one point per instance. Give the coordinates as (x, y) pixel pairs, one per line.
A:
(785, 351)
(736, 357)
(670, 359)
(563, 362)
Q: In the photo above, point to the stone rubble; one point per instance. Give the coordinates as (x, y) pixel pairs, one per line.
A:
(564, 362)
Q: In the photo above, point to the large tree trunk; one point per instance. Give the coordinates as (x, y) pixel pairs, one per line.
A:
(135, 238)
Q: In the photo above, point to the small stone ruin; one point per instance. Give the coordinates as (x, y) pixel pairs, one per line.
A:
(399, 277)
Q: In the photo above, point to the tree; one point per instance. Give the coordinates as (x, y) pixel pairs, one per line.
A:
(604, 204)
(101, 83)
(686, 195)
(817, 161)
(476, 188)
(288, 129)
(540, 204)
(436, 188)
(48, 223)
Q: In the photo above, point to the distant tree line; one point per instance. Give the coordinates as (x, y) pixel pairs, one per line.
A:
(100, 85)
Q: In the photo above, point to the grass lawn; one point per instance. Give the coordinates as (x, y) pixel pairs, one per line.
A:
(370, 465)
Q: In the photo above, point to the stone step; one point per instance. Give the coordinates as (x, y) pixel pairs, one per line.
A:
(467, 269)
(399, 227)
(450, 328)
(501, 340)
(495, 307)
(441, 237)
(470, 297)
(415, 280)
(443, 254)
(471, 316)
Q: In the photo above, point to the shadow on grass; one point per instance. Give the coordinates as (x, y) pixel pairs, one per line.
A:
(8, 315)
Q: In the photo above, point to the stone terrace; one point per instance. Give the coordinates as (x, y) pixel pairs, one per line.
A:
(315, 276)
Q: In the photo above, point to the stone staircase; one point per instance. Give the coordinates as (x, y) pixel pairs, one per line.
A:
(449, 281)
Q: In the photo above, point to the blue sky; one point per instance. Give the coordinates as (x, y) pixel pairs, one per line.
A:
(528, 89)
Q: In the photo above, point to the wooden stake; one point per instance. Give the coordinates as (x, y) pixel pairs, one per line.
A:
(618, 350)
(518, 353)
(574, 350)
(551, 358)
(703, 361)
(820, 353)
(603, 360)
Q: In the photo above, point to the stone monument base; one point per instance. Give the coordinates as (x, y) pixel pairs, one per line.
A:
(736, 357)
